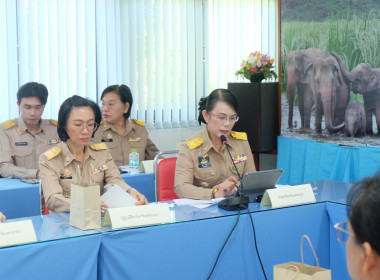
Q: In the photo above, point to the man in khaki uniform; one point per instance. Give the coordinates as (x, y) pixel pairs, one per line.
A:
(200, 166)
(25, 138)
(59, 170)
(136, 136)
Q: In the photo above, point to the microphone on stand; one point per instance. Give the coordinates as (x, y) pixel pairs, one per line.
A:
(238, 201)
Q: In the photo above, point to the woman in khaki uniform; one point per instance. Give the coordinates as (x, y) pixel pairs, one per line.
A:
(118, 132)
(204, 169)
(75, 159)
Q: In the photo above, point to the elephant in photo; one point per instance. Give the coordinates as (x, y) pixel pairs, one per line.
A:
(299, 74)
(355, 123)
(331, 94)
(366, 81)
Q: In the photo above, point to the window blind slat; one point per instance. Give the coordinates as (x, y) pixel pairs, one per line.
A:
(176, 64)
(141, 75)
(150, 65)
(158, 65)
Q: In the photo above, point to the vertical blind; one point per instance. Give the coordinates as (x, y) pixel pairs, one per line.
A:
(169, 52)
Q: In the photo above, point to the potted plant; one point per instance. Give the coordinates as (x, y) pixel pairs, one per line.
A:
(257, 67)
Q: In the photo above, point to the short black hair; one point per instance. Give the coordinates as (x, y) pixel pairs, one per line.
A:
(208, 103)
(65, 110)
(124, 93)
(33, 89)
(363, 207)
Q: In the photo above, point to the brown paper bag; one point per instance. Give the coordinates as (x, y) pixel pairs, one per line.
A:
(85, 205)
(301, 271)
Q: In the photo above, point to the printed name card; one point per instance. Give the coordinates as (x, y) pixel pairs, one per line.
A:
(288, 196)
(147, 166)
(134, 216)
(15, 233)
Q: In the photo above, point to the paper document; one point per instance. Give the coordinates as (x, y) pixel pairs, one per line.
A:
(197, 203)
(116, 197)
(124, 168)
(281, 186)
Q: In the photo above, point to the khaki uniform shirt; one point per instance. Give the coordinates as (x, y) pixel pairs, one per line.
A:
(58, 170)
(200, 166)
(21, 149)
(136, 136)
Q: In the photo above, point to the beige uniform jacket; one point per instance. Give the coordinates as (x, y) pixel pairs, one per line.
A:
(58, 170)
(136, 136)
(21, 149)
(200, 166)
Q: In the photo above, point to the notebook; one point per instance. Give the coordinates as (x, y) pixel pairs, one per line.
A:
(255, 183)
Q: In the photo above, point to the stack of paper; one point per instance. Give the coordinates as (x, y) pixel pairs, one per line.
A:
(197, 203)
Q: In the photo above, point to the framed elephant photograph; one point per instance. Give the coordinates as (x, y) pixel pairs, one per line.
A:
(330, 83)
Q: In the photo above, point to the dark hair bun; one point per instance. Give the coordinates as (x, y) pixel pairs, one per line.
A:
(202, 106)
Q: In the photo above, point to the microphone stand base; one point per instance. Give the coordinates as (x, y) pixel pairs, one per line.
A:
(234, 203)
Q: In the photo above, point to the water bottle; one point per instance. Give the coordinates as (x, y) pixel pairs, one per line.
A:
(134, 161)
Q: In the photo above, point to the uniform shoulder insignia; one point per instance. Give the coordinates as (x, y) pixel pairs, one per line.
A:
(101, 122)
(53, 122)
(98, 147)
(239, 135)
(139, 122)
(53, 152)
(8, 124)
(194, 143)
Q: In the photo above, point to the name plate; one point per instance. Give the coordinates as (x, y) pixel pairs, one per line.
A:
(288, 196)
(15, 233)
(134, 216)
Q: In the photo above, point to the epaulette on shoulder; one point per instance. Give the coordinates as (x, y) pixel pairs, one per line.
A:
(139, 122)
(195, 143)
(52, 153)
(8, 124)
(239, 135)
(98, 147)
(53, 122)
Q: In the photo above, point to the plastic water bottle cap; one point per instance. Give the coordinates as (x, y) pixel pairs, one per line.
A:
(133, 150)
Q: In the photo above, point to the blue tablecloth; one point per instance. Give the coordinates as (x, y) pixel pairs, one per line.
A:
(188, 250)
(306, 161)
(18, 199)
(144, 183)
(74, 258)
(337, 213)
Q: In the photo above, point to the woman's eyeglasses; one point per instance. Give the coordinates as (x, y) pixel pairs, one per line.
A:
(82, 126)
(342, 231)
(224, 118)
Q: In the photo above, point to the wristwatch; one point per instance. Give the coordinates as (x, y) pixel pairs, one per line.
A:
(213, 193)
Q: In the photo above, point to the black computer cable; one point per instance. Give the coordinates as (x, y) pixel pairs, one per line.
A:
(254, 238)
(225, 242)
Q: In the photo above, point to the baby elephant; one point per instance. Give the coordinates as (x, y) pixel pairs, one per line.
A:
(355, 122)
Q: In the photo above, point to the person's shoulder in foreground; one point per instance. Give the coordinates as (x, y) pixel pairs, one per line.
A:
(363, 229)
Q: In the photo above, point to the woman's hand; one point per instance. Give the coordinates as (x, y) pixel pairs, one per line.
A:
(2, 217)
(103, 208)
(141, 199)
(103, 205)
(226, 188)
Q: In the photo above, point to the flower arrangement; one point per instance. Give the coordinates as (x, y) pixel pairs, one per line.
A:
(257, 67)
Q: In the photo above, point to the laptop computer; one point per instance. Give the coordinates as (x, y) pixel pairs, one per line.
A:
(255, 183)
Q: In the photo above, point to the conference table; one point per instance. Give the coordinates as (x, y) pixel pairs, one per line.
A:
(19, 199)
(187, 247)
